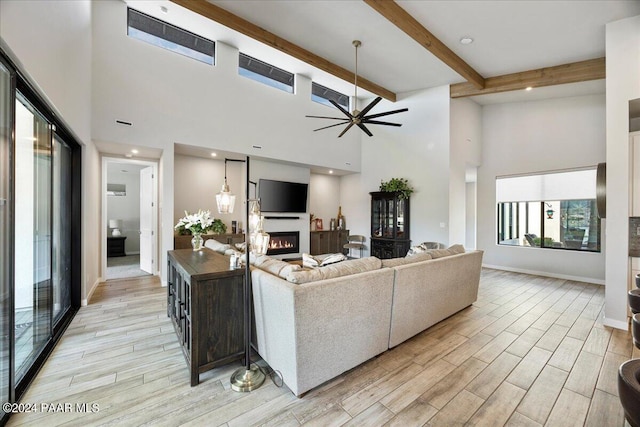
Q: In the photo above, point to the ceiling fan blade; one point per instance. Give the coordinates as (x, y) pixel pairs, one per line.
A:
(339, 107)
(364, 128)
(325, 117)
(369, 107)
(330, 126)
(346, 129)
(373, 116)
(377, 122)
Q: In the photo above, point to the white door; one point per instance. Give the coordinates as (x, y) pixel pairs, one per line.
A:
(146, 219)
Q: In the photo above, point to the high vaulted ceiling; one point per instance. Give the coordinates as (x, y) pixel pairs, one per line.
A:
(509, 37)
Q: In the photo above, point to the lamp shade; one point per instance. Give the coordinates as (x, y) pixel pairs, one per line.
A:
(225, 200)
(115, 223)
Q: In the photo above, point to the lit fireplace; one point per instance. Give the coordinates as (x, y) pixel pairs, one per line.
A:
(284, 242)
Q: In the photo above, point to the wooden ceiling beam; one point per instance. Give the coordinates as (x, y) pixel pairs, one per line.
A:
(592, 69)
(226, 18)
(407, 23)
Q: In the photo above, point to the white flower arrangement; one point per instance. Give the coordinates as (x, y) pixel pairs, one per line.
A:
(197, 223)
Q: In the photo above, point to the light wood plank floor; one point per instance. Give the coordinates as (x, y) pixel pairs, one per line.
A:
(531, 351)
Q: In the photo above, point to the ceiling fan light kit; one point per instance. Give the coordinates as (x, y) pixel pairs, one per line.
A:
(358, 118)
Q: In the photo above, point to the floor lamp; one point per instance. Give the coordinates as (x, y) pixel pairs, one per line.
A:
(250, 376)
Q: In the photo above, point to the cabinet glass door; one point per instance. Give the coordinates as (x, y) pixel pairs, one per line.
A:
(388, 219)
(377, 220)
(400, 219)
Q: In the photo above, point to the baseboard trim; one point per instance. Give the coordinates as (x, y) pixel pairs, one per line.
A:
(85, 301)
(546, 274)
(618, 324)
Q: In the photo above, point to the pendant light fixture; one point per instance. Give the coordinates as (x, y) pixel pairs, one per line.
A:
(357, 117)
(225, 199)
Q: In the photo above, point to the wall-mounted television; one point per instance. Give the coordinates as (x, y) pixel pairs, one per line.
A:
(282, 196)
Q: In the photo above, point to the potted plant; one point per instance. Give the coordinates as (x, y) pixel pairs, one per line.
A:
(218, 226)
(399, 185)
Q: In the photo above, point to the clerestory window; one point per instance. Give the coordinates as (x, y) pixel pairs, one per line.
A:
(162, 34)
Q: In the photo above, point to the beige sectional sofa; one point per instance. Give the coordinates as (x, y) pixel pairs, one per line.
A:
(311, 326)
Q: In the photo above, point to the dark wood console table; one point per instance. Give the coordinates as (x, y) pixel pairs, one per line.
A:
(205, 304)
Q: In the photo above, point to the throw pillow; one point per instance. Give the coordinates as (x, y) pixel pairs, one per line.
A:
(456, 249)
(321, 260)
(413, 250)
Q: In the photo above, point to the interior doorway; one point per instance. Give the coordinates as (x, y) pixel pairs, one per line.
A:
(129, 218)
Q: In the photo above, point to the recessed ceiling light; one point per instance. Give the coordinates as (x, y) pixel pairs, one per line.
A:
(466, 40)
(164, 9)
(214, 154)
(330, 171)
(529, 88)
(134, 151)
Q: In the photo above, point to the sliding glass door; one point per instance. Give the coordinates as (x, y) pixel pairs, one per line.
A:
(40, 218)
(33, 224)
(61, 272)
(6, 120)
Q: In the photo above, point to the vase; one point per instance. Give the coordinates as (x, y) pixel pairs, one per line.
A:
(197, 241)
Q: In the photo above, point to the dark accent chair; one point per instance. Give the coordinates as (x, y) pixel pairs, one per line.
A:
(629, 390)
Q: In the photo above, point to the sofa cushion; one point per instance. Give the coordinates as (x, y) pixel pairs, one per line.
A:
(344, 268)
(275, 266)
(451, 250)
(213, 244)
(395, 262)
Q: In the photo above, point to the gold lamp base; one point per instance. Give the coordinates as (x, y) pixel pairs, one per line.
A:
(244, 380)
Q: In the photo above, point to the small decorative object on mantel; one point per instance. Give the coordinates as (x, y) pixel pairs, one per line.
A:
(400, 185)
(312, 222)
(198, 223)
(340, 219)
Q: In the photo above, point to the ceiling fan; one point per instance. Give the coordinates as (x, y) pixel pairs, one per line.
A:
(359, 118)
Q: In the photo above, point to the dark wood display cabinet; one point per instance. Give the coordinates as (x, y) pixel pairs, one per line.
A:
(328, 242)
(205, 303)
(389, 225)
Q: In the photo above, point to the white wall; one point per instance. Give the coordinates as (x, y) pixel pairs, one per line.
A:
(171, 98)
(197, 181)
(471, 216)
(538, 136)
(418, 151)
(126, 208)
(52, 41)
(623, 85)
(465, 151)
(324, 198)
